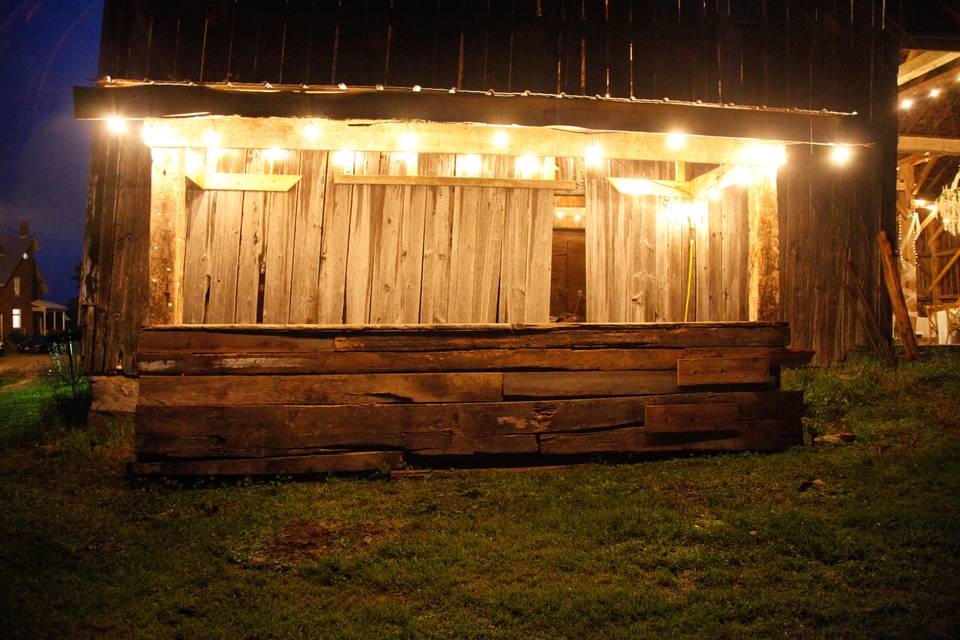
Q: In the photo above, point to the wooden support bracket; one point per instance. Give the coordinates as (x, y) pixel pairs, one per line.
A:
(241, 181)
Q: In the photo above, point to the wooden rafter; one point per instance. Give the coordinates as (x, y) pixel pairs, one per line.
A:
(923, 63)
(933, 144)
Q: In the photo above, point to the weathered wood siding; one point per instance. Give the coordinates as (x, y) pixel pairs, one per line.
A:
(638, 255)
(787, 53)
(330, 394)
(113, 284)
(380, 254)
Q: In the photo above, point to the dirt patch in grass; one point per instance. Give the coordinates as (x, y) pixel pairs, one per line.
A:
(303, 542)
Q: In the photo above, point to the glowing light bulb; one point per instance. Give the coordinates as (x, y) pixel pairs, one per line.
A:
(934, 92)
(343, 158)
(576, 217)
(676, 140)
(312, 132)
(528, 166)
(841, 154)
(919, 202)
(211, 138)
(593, 156)
(770, 155)
(470, 165)
(408, 141)
(117, 125)
(275, 154)
(906, 103)
(500, 139)
(156, 136)
(560, 215)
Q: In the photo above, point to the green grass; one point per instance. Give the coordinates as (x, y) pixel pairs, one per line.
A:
(725, 546)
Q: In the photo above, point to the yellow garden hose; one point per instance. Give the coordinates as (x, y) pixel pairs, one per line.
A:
(693, 245)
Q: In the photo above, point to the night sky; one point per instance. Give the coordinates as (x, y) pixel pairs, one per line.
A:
(46, 47)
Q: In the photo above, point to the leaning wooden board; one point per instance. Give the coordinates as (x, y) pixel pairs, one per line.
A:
(242, 400)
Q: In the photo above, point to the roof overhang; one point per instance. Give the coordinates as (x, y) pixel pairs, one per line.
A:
(138, 101)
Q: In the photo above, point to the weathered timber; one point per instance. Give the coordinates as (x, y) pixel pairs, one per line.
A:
(226, 342)
(891, 278)
(202, 361)
(764, 247)
(168, 222)
(773, 434)
(286, 465)
(669, 418)
(321, 389)
(584, 384)
(711, 371)
(627, 440)
(584, 336)
(424, 429)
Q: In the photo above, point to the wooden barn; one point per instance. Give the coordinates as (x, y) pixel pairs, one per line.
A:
(352, 235)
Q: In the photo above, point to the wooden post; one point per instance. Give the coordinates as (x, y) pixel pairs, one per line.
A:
(895, 291)
(168, 221)
(764, 247)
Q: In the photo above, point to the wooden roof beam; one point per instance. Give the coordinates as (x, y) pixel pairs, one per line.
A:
(923, 63)
(933, 144)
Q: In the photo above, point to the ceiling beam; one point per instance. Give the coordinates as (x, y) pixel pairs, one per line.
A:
(944, 77)
(920, 144)
(924, 63)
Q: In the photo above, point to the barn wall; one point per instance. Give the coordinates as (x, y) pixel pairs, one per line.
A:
(788, 53)
(638, 255)
(829, 217)
(113, 285)
(334, 253)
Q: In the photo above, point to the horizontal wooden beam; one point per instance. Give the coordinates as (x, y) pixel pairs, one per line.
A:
(242, 181)
(455, 181)
(160, 100)
(647, 187)
(923, 63)
(933, 144)
(440, 137)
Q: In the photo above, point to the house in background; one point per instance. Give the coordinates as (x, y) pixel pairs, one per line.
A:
(21, 285)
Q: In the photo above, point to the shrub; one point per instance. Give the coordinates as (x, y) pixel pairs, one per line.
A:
(71, 389)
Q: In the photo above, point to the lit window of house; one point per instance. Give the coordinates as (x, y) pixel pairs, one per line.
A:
(16, 287)
(16, 319)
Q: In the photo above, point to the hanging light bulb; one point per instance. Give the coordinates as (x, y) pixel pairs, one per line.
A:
(117, 125)
(470, 165)
(500, 139)
(344, 158)
(676, 140)
(840, 154)
(312, 132)
(906, 103)
(527, 166)
(593, 155)
(211, 138)
(276, 154)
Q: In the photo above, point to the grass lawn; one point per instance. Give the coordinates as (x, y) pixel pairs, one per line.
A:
(859, 540)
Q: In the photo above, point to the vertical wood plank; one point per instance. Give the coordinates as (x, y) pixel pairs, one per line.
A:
(764, 247)
(308, 238)
(251, 256)
(337, 206)
(226, 215)
(168, 219)
(437, 241)
(280, 210)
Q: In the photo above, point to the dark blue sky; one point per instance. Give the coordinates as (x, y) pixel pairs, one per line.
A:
(46, 47)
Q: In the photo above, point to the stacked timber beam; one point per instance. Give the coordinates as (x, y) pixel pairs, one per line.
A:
(240, 400)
